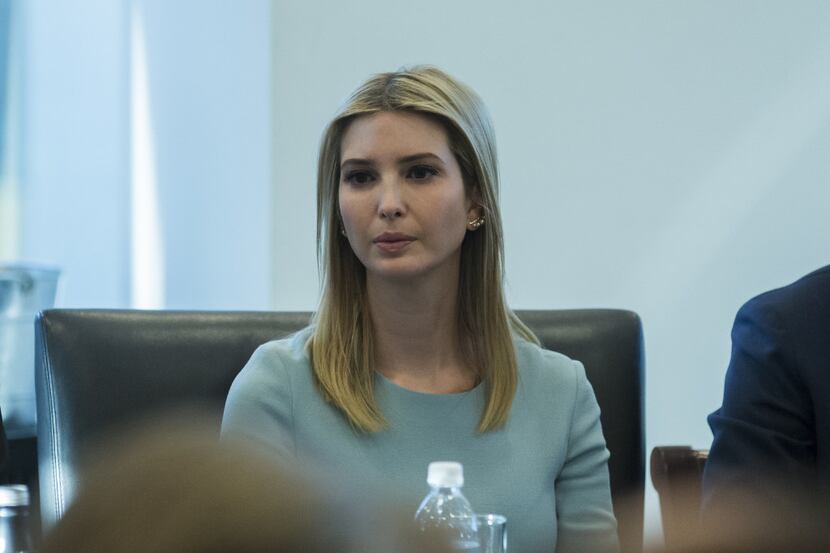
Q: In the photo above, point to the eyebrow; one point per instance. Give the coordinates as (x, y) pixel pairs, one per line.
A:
(402, 161)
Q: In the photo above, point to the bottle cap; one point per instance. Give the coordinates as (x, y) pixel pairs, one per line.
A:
(445, 474)
(15, 495)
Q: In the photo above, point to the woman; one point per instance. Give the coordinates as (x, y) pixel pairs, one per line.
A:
(413, 355)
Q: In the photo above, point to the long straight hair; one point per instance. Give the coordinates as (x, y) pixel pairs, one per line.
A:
(342, 343)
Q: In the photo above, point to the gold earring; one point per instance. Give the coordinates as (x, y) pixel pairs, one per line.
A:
(475, 223)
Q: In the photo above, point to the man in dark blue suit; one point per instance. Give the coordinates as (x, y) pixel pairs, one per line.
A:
(772, 433)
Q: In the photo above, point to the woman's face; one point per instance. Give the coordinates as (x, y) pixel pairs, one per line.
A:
(402, 197)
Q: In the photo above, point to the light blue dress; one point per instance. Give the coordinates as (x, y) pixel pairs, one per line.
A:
(545, 470)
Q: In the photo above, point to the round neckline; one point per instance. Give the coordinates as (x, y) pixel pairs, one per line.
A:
(387, 384)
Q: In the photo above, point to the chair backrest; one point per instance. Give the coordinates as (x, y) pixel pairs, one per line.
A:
(4, 452)
(97, 370)
(677, 475)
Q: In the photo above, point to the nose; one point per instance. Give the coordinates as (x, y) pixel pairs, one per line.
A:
(391, 204)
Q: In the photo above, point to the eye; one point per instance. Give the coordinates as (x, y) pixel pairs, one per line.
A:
(358, 178)
(422, 172)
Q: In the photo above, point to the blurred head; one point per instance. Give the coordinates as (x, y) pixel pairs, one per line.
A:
(182, 491)
(342, 347)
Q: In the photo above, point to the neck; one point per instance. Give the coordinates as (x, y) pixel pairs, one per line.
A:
(417, 336)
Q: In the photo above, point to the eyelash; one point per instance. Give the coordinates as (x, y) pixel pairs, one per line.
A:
(431, 171)
(351, 176)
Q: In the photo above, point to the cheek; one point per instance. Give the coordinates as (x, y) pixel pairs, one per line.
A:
(452, 220)
(353, 220)
(346, 205)
(457, 208)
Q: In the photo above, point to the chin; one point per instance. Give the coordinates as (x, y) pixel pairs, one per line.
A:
(396, 274)
(395, 270)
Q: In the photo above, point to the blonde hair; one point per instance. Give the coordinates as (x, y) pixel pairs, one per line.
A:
(341, 346)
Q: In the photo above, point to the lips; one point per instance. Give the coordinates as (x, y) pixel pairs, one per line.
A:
(392, 242)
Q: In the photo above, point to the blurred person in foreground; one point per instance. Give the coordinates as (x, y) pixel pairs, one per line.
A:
(182, 491)
(753, 525)
(413, 355)
(760, 529)
(770, 457)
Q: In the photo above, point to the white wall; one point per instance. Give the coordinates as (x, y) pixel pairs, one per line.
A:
(669, 158)
(208, 96)
(73, 177)
(10, 71)
(188, 116)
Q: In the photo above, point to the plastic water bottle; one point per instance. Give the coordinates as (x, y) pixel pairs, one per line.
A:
(446, 509)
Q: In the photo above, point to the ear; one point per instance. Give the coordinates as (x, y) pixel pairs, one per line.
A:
(474, 212)
(475, 217)
(474, 208)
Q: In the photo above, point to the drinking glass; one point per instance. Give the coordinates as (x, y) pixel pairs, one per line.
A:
(492, 533)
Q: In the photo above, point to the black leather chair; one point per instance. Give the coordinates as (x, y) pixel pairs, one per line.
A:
(97, 370)
(4, 452)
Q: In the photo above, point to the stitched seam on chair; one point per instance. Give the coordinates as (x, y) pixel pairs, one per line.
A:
(53, 441)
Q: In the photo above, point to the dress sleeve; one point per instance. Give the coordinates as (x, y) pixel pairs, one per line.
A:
(585, 516)
(763, 432)
(259, 406)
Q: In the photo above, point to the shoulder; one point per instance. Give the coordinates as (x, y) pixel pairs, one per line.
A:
(274, 364)
(538, 363)
(548, 376)
(260, 403)
(288, 352)
(808, 296)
